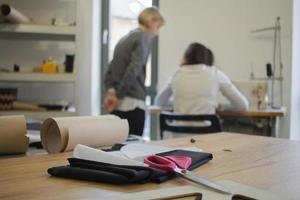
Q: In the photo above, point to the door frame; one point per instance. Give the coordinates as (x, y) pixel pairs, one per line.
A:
(150, 91)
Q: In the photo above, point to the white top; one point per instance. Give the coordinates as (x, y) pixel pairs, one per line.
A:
(129, 104)
(195, 89)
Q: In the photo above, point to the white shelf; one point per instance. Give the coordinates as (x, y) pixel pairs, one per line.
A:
(37, 77)
(40, 115)
(38, 29)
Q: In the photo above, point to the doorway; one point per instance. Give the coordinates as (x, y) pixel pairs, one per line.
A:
(118, 18)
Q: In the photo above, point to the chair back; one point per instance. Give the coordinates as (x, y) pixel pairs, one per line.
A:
(165, 119)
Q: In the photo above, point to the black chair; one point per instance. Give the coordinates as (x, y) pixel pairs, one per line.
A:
(165, 119)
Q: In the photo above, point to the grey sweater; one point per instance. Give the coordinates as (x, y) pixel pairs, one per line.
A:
(127, 70)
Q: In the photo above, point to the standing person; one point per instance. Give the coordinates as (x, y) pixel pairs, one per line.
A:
(125, 78)
(196, 85)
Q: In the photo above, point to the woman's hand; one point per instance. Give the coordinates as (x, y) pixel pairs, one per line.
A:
(111, 101)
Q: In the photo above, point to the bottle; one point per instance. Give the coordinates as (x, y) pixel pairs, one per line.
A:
(49, 66)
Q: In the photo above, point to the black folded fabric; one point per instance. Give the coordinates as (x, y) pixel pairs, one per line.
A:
(104, 172)
(122, 174)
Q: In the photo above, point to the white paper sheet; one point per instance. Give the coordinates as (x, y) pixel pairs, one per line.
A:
(130, 154)
(140, 150)
(88, 153)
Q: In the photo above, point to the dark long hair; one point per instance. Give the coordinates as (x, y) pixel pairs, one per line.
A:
(197, 53)
(210, 58)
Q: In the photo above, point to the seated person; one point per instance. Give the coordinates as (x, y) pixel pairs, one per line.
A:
(196, 84)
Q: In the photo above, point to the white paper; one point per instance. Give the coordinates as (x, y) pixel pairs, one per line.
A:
(141, 150)
(88, 153)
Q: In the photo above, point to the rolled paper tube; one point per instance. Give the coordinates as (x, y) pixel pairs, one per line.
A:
(12, 15)
(13, 135)
(64, 133)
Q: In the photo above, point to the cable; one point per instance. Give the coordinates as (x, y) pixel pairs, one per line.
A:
(280, 62)
(277, 40)
(274, 63)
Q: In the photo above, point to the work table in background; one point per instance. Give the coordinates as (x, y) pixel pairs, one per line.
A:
(266, 163)
(270, 118)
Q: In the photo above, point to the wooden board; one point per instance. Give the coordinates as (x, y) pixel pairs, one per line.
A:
(193, 191)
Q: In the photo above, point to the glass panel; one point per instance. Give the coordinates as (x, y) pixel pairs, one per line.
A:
(123, 18)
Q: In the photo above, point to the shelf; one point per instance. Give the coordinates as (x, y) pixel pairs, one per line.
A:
(41, 115)
(38, 29)
(37, 77)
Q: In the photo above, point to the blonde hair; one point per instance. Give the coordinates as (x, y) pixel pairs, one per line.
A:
(150, 15)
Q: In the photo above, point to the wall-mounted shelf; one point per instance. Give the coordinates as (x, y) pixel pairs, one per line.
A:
(25, 44)
(40, 115)
(37, 77)
(38, 29)
(37, 32)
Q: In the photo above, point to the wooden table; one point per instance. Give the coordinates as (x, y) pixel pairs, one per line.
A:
(266, 163)
(272, 115)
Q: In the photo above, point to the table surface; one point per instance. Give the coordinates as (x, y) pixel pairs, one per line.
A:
(249, 113)
(267, 163)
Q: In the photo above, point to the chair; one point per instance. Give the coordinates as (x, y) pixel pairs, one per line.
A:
(166, 117)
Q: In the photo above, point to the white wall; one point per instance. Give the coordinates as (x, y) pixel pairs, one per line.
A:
(87, 52)
(295, 99)
(225, 27)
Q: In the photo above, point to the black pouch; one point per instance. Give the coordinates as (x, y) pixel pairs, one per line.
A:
(122, 174)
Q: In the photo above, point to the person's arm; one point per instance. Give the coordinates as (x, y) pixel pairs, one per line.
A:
(238, 102)
(163, 96)
(137, 61)
(108, 79)
(110, 101)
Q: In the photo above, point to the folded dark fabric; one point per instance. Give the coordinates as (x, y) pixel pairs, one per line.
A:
(104, 172)
(122, 174)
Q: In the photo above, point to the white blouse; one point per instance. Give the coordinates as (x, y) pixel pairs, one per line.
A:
(195, 89)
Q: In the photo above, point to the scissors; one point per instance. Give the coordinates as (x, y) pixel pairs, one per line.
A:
(179, 165)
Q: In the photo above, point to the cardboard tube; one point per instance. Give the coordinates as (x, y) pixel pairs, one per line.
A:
(12, 15)
(64, 133)
(18, 105)
(13, 135)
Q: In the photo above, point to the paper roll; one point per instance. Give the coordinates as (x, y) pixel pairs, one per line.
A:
(12, 15)
(18, 105)
(64, 133)
(13, 135)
